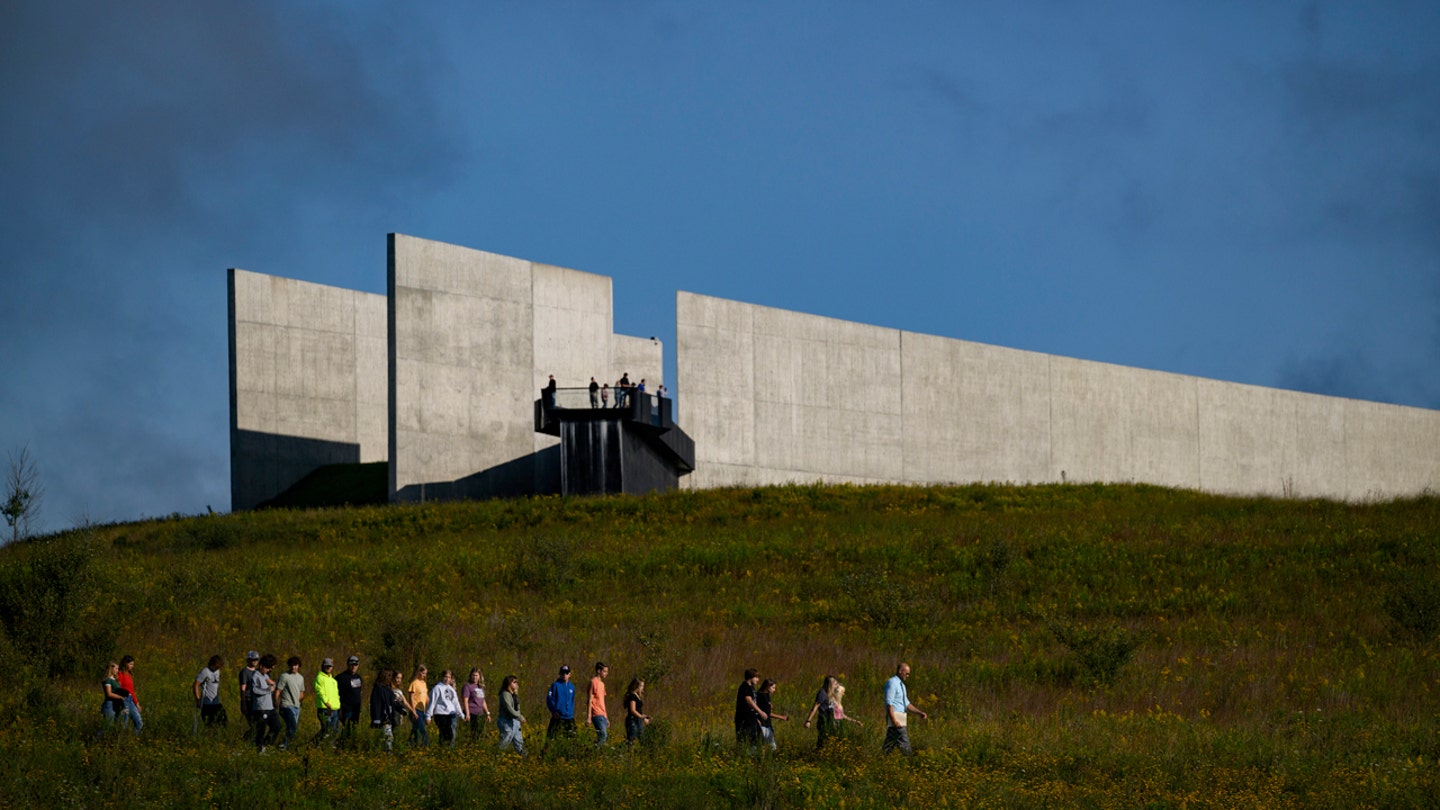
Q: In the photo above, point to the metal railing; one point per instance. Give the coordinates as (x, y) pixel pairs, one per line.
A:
(580, 398)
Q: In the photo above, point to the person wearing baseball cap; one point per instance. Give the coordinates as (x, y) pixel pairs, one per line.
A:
(560, 700)
(252, 660)
(327, 700)
(352, 697)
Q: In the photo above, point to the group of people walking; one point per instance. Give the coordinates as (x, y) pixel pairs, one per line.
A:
(270, 704)
(754, 715)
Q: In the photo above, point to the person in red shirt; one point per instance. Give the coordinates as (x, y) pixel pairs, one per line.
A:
(132, 700)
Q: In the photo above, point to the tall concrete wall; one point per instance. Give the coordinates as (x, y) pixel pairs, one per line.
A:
(307, 382)
(772, 396)
(475, 337)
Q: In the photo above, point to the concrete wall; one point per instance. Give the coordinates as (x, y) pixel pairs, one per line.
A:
(307, 382)
(772, 396)
(476, 336)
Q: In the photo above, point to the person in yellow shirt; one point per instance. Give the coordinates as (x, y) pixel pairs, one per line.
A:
(598, 718)
(420, 702)
(327, 701)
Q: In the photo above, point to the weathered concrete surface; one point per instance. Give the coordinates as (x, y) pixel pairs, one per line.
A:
(476, 336)
(307, 382)
(772, 396)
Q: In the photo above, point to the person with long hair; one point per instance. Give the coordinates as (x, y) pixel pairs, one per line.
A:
(419, 701)
(836, 700)
(382, 708)
(402, 706)
(445, 707)
(510, 719)
(763, 698)
(473, 694)
(635, 717)
(126, 677)
(112, 706)
(822, 714)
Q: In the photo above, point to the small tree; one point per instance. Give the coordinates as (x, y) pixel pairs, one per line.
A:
(23, 494)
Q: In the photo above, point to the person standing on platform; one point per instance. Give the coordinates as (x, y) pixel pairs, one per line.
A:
(594, 393)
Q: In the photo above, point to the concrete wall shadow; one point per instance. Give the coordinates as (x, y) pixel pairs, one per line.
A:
(263, 465)
(535, 474)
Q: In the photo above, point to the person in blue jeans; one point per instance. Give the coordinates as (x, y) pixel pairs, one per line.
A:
(291, 687)
(126, 678)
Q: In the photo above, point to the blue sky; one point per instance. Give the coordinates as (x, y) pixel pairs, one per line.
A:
(1238, 190)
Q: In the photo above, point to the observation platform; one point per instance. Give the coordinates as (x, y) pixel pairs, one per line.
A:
(629, 445)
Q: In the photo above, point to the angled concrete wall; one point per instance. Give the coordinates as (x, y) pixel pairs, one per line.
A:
(772, 396)
(476, 336)
(307, 382)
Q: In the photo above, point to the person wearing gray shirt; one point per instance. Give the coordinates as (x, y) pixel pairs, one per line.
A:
(207, 693)
(292, 692)
(262, 703)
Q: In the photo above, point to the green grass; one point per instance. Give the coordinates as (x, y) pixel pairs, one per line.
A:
(1096, 646)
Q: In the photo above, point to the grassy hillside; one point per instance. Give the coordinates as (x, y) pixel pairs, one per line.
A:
(1105, 646)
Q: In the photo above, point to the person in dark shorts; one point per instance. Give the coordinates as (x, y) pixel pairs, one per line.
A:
(207, 693)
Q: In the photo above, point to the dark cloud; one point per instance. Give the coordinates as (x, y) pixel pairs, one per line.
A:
(146, 146)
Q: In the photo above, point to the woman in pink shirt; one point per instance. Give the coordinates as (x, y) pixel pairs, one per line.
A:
(473, 694)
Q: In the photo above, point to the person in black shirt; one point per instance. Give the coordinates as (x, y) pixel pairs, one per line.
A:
(635, 717)
(747, 712)
(762, 700)
(352, 696)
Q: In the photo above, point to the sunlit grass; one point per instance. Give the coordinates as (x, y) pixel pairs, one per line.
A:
(1279, 649)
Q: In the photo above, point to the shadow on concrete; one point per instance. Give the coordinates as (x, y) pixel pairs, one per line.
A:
(264, 465)
(337, 485)
(535, 474)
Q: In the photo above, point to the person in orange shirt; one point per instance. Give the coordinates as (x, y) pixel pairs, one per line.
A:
(598, 718)
(420, 702)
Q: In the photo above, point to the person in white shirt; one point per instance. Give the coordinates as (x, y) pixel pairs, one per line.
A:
(446, 707)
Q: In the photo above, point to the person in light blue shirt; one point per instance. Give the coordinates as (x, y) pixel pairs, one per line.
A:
(897, 709)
